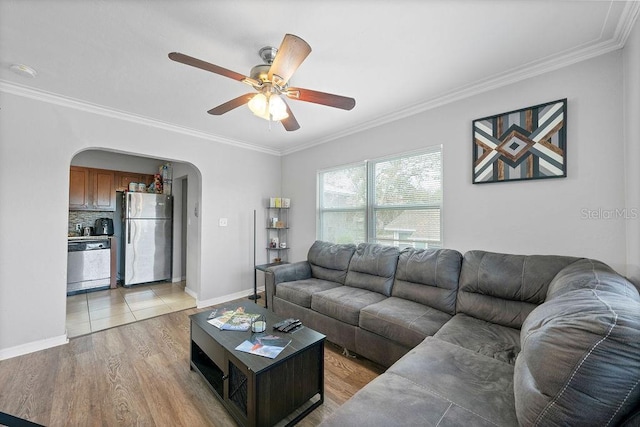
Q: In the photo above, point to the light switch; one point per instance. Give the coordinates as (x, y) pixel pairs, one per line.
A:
(222, 222)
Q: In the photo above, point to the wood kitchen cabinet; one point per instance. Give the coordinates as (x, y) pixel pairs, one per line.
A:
(79, 188)
(91, 189)
(124, 178)
(103, 189)
(95, 189)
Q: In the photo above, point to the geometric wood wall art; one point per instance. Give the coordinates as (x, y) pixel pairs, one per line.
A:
(520, 145)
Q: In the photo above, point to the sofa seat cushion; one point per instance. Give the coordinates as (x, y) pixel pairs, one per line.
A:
(403, 321)
(489, 339)
(436, 383)
(300, 291)
(344, 303)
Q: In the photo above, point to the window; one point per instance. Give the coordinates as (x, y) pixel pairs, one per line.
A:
(394, 201)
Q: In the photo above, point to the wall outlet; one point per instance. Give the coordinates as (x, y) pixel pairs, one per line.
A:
(78, 227)
(222, 222)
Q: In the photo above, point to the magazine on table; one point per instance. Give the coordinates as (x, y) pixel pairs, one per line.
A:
(231, 319)
(265, 345)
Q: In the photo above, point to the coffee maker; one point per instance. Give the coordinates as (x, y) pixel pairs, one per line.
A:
(103, 227)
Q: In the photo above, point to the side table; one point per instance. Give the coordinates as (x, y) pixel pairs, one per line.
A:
(263, 268)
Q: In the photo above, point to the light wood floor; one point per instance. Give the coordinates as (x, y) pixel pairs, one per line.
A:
(138, 374)
(95, 311)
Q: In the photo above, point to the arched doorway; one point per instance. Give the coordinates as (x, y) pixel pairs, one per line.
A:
(101, 309)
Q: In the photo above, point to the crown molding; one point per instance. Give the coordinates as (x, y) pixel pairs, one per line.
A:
(514, 75)
(551, 63)
(76, 104)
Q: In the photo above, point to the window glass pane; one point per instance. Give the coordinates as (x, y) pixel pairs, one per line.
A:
(392, 201)
(343, 188)
(418, 228)
(343, 227)
(414, 180)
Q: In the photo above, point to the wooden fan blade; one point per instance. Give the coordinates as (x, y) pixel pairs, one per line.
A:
(291, 53)
(198, 63)
(323, 98)
(230, 105)
(290, 123)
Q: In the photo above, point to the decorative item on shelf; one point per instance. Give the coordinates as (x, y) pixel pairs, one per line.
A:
(157, 183)
(277, 225)
(279, 202)
(166, 174)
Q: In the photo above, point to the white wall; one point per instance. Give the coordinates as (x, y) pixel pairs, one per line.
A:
(632, 146)
(37, 142)
(101, 159)
(542, 216)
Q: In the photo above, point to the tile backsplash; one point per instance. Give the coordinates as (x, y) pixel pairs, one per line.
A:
(86, 218)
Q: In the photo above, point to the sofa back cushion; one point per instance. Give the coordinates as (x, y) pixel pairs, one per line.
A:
(579, 362)
(429, 277)
(373, 267)
(503, 288)
(330, 261)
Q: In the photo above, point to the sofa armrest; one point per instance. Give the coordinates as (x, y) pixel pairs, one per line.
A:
(284, 273)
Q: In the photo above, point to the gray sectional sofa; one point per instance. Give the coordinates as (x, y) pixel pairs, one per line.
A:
(484, 339)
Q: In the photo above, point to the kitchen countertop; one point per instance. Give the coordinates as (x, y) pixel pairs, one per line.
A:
(89, 237)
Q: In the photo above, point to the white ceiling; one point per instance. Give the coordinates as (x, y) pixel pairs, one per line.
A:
(395, 58)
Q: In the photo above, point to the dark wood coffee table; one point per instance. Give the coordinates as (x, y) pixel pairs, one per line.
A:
(256, 390)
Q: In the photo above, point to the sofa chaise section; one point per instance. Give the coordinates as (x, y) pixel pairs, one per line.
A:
(435, 384)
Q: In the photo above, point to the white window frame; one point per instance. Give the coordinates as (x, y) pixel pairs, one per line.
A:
(370, 209)
(319, 192)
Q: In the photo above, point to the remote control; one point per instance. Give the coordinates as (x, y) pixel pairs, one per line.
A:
(292, 326)
(285, 322)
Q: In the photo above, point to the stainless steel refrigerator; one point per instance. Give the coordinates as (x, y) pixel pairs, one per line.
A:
(147, 237)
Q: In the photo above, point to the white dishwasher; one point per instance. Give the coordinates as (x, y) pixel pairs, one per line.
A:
(88, 265)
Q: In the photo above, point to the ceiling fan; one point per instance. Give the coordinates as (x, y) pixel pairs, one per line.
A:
(270, 80)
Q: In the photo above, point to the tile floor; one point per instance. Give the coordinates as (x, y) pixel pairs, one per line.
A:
(99, 310)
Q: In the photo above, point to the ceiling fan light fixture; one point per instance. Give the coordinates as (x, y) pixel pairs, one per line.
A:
(259, 105)
(270, 107)
(277, 108)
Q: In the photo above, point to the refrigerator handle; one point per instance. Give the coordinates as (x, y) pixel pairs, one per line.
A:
(128, 218)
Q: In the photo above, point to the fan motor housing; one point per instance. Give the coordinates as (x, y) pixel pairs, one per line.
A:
(260, 72)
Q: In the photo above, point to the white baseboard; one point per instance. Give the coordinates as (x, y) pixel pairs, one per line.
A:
(225, 298)
(191, 293)
(32, 347)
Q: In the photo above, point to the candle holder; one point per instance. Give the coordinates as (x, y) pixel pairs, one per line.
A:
(259, 324)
